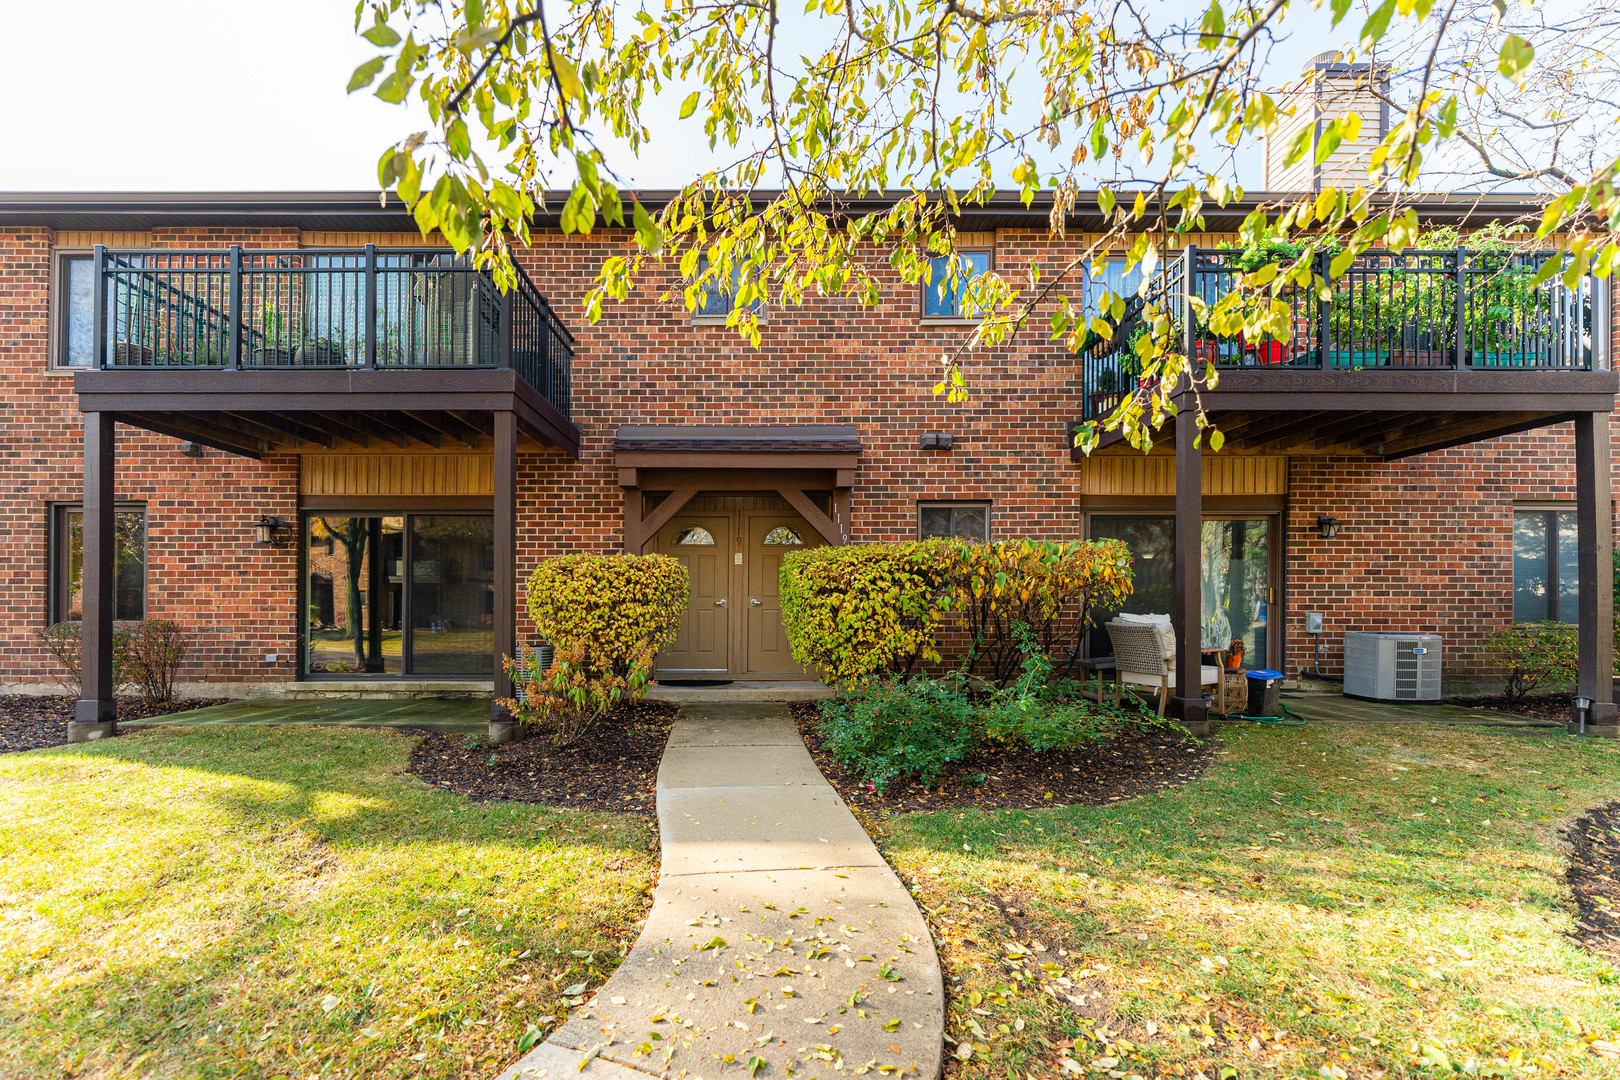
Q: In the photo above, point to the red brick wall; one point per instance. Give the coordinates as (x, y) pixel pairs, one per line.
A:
(1426, 544)
(831, 361)
(205, 572)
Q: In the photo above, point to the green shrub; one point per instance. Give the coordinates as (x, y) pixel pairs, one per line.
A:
(63, 641)
(888, 727)
(1535, 654)
(863, 609)
(155, 650)
(1046, 714)
(607, 615)
(1048, 587)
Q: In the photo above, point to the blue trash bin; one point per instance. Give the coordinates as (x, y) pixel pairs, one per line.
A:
(1265, 693)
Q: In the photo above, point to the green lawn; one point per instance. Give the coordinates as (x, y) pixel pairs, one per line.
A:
(1359, 901)
(288, 902)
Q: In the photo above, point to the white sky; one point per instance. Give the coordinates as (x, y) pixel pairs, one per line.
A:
(246, 95)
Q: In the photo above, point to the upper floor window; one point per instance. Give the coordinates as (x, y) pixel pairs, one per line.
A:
(67, 562)
(1545, 581)
(954, 520)
(718, 299)
(74, 290)
(942, 298)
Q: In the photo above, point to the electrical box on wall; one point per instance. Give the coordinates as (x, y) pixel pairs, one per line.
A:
(1313, 622)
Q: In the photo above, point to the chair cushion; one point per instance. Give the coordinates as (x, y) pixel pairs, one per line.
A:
(1208, 675)
(1161, 623)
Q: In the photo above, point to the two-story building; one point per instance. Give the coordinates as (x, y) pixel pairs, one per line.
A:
(331, 449)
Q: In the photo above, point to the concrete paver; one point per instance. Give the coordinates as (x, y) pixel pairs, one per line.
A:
(822, 971)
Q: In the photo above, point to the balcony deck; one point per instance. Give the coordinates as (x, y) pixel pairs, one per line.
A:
(1413, 352)
(252, 351)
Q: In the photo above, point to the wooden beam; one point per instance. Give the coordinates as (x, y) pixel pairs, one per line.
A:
(812, 514)
(329, 424)
(1187, 601)
(95, 714)
(446, 424)
(1594, 518)
(733, 480)
(505, 621)
(635, 539)
(293, 428)
(1491, 427)
(187, 429)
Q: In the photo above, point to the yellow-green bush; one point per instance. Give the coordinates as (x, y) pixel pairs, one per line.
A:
(1049, 587)
(607, 615)
(863, 609)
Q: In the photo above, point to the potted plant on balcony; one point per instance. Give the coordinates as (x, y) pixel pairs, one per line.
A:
(270, 352)
(320, 352)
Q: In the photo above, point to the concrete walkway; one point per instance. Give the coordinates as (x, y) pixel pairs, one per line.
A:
(777, 931)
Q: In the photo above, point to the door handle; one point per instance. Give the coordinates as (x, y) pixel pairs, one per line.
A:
(720, 603)
(756, 603)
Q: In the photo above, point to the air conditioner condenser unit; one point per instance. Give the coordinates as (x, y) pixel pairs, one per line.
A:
(1392, 667)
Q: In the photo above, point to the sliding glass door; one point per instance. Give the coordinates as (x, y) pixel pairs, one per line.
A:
(1237, 580)
(402, 594)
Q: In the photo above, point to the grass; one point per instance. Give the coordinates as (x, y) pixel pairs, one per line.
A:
(288, 902)
(1347, 901)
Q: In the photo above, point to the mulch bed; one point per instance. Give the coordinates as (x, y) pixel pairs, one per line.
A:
(1592, 871)
(1540, 706)
(614, 768)
(1002, 778)
(28, 722)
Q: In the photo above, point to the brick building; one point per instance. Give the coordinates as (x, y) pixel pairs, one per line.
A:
(304, 369)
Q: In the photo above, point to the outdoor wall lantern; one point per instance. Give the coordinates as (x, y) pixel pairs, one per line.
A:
(936, 440)
(269, 532)
(191, 449)
(1328, 526)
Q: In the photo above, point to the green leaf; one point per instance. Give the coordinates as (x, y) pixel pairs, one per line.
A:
(528, 1040)
(395, 87)
(1515, 58)
(1373, 29)
(365, 73)
(755, 1064)
(1216, 440)
(568, 83)
(456, 136)
(381, 35)
(1300, 143)
(689, 106)
(648, 234)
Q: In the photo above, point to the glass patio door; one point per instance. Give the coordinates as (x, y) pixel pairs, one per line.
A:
(407, 594)
(1237, 578)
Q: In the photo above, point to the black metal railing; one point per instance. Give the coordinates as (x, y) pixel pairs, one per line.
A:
(244, 309)
(1456, 309)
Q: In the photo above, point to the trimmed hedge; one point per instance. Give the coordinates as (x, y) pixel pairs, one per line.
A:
(874, 609)
(607, 616)
(863, 609)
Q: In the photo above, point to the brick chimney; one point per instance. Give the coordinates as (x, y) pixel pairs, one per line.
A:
(1328, 89)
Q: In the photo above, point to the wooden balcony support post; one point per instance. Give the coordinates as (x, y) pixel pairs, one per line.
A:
(502, 727)
(1594, 515)
(1187, 599)
(95, 714)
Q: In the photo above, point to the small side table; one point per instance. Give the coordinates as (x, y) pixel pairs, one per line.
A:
(1097, 664)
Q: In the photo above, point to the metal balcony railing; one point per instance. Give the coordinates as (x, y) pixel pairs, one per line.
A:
(391, 309)
(1440, 310)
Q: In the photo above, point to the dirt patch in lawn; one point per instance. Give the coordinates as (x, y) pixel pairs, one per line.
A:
(1593, 873)
(1540, 706)
(1013, 778)
(614, 768)
(28, 722)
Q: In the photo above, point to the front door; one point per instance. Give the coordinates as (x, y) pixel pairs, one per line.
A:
(702, 544)
(771, 537)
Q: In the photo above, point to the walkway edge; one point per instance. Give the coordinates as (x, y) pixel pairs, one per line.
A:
(743, 965)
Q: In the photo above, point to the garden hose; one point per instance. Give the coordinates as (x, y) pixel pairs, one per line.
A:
(1287, 719)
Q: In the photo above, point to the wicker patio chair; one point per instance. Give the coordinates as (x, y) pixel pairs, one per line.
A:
(1139, 660)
